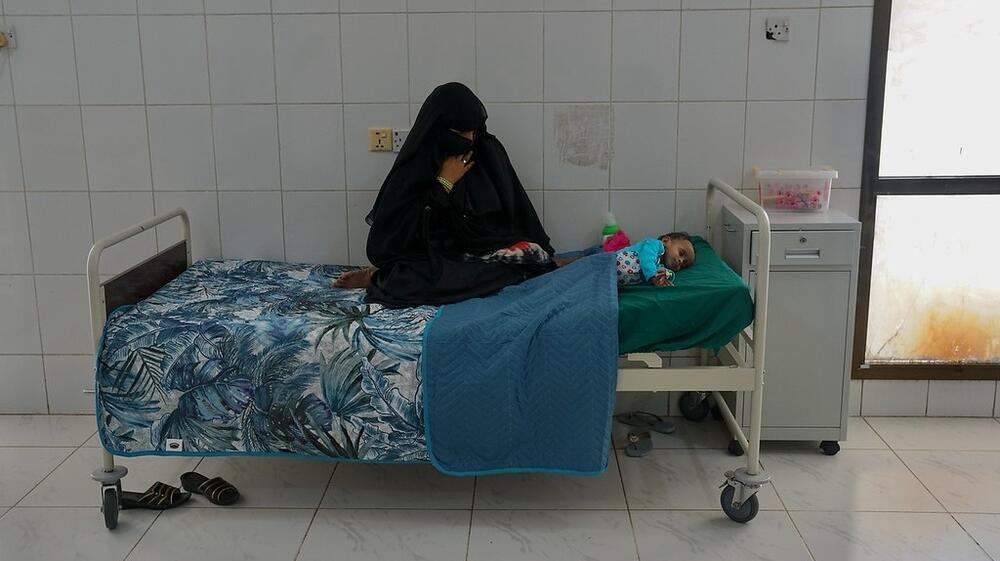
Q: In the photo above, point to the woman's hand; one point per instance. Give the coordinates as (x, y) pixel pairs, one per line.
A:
(454, 167)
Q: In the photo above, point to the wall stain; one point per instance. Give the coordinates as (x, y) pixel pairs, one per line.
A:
(583, 135)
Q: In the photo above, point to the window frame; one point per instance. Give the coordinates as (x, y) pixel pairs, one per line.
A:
(871, 187)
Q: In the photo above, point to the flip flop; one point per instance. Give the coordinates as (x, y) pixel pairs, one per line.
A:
(217, 490)
(646, 420)
(159, 496)
(639, 444)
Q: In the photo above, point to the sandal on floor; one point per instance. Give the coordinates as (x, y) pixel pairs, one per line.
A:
(217, 490)
(639, 444)
(159, 496)
(646, 420)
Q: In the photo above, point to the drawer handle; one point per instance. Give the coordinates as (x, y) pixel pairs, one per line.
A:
(801, 253)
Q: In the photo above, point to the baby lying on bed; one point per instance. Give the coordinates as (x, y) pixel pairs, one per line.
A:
(654, 260)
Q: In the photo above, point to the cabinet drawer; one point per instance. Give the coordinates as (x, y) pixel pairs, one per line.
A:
(827, 247)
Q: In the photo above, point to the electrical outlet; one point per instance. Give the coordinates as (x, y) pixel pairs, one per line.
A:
(379, 139)
(7, 37)
(399, 138)
(776, 29)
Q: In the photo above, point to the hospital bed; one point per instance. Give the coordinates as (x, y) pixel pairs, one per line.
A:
(169, 280)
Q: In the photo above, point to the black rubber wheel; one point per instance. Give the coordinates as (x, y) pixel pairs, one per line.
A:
(830, 447)
(110, 507)
(693, 407)
(735, 448)
(745, 513)
(716, 413)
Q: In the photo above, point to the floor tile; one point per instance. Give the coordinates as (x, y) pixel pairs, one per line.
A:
(985, 529)
(77, 534)
(387, 535)
(93, 441)
(689, 434)
(851, 480)
(46, 430)
(544, 491)
(397, 486)
(701, 535)
(861, 436)
(70, 483)
(682, 479)
(266, 534)
(897, 536)
(938, 433)
(553, 535)
(22, 468)
(962, 481)
(271, 482)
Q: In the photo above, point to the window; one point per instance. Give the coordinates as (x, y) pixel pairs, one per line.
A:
(929, 296)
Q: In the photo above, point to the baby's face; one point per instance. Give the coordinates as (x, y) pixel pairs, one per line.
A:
(678, 254)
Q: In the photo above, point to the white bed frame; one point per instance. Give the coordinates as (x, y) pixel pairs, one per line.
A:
(641, 372)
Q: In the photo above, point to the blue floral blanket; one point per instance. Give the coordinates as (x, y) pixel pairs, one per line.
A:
(524, 381)
(255, 357)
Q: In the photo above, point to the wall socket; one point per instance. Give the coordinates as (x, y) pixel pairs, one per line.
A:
(7, 37)
(776, 29)
(379, 139)
(399, 138)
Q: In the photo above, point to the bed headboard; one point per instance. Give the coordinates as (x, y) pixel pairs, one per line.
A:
(142, 280)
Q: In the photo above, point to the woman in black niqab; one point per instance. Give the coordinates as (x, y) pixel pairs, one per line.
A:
(425, 238)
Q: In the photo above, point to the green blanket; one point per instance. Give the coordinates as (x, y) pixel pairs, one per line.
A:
(707, 306)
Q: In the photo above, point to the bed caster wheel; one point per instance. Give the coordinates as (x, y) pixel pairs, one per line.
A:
(743, 513)
(716, 413)
(735, 448)
(110, 504)
(694, 407)
(830, 447)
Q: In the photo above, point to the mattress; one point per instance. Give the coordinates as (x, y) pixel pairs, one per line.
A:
(265, 358)
(707, 306)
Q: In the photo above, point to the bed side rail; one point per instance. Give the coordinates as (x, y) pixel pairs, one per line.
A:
(760, 303)
(140, 281)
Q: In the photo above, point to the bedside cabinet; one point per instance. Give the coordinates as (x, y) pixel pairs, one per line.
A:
(810, 322)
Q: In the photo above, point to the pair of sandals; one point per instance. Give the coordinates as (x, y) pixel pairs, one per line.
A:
(161, 496)
(639, 440)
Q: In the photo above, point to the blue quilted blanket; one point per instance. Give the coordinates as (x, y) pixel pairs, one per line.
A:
(525, 380)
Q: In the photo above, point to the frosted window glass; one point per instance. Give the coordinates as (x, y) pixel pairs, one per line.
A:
(942, 89)
(935, 290)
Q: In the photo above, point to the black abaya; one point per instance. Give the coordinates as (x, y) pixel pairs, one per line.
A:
(420, 232)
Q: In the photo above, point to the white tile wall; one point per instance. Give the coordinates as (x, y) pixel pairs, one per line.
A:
(10, 152)
(961, 398)
(117, 146)
(253, 115)
(44, 63)
(108, 59)
(894, 398)
(442, 49)
(15, 247)
(66, 378)
(307, 58)
(241, 59)
(23, 383)
(174, 59)
(509, 50)
(52, 148)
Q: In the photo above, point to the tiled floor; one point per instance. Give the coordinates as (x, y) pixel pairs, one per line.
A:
(901, 489)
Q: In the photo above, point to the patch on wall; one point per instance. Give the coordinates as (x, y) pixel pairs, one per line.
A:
(583, 135)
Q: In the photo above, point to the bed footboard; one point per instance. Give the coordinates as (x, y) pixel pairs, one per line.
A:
(129, 287)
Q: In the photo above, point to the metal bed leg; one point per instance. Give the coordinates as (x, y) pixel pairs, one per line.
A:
(110, 477)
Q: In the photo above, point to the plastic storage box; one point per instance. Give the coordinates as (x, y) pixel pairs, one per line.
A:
(806, 190)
